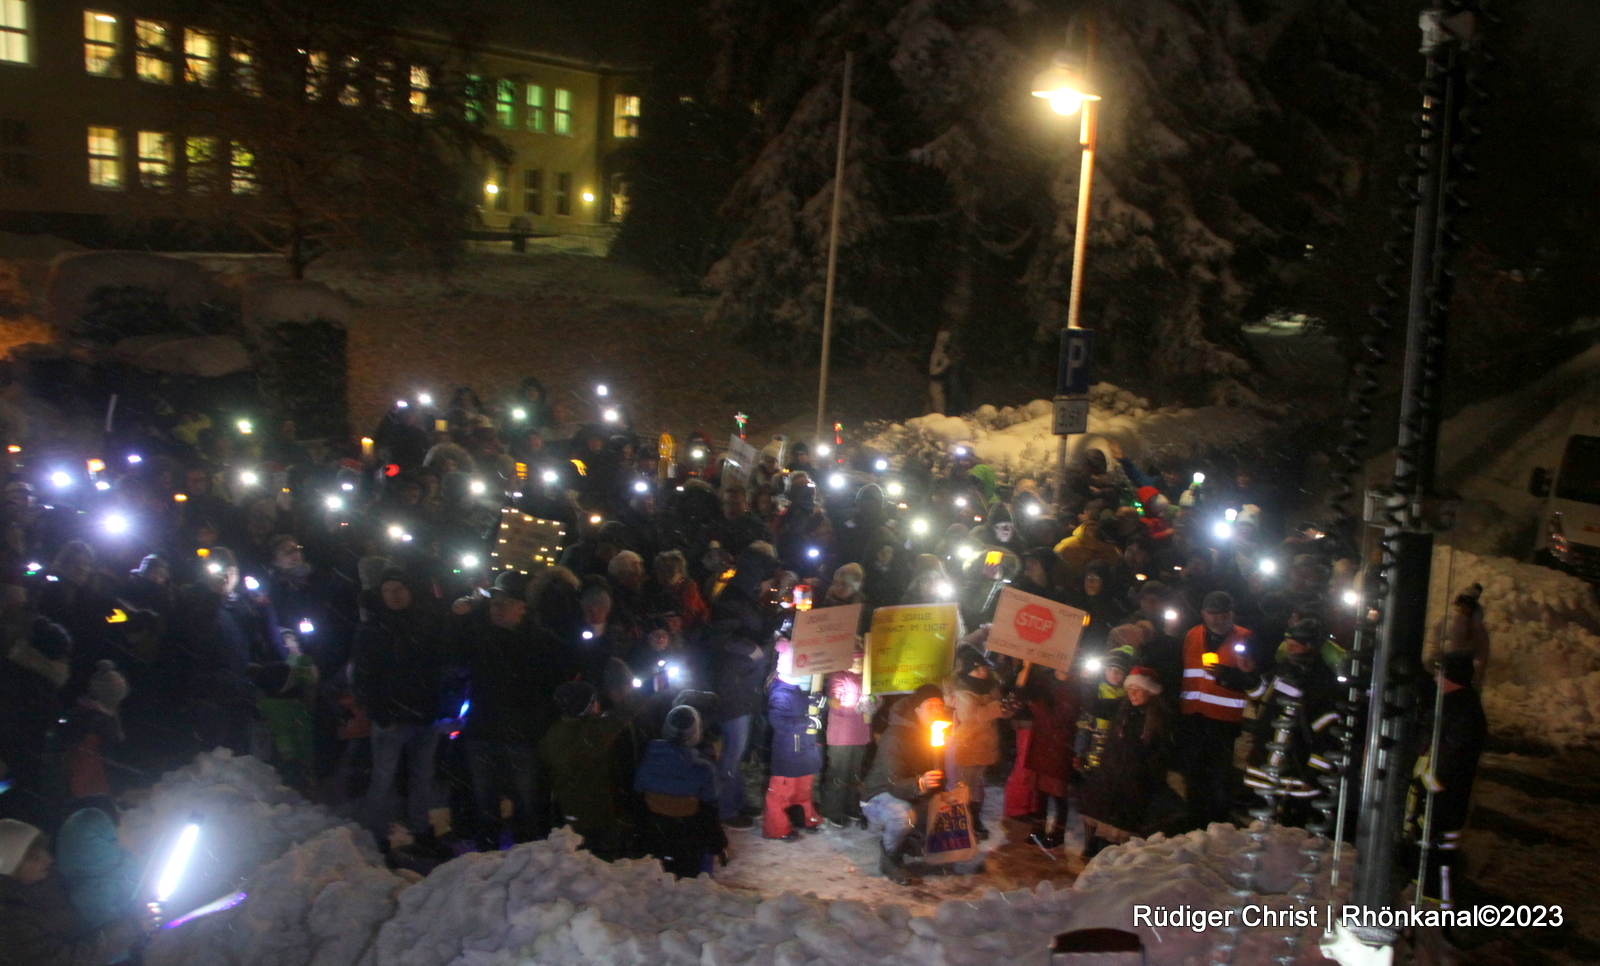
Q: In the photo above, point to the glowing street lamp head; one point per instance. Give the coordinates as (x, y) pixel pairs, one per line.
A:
(134, 459)
(1065, 85)
(396, 531)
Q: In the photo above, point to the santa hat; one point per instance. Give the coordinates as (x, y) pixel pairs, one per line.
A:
(1142, 678)
(1147, 494)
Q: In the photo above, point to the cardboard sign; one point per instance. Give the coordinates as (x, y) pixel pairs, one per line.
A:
(525, 543)
(911, 646)
(1035, 629)
(741, 463)
(824, 639)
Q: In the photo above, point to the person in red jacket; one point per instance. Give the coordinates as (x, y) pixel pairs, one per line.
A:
(1217, 673)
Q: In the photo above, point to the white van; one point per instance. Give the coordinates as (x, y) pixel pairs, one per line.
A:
(1570, 534)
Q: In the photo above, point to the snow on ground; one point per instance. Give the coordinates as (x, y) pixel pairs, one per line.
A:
(320, 897)
(1543, 681)
(1019, 441)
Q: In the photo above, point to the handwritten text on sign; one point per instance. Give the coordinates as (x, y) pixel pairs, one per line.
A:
(825, 639)
(1035, 629)
(910, 646)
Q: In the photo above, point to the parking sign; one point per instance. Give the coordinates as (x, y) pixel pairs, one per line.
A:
(1072, 370)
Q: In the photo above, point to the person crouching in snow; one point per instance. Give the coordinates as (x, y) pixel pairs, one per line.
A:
(794, 714)
(586, 754)
(906, 773)
(680, 798)
(973, 695)
(1133, 766)
(38, 924)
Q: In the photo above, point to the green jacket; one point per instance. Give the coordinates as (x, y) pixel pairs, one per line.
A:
(590, 769)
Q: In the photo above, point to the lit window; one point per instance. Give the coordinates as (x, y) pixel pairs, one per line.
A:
(241, 170)
(199, 57)
(419, 83)
(533, 191)
(350, 93)
(383, 85)
(155, 159)
(534, 115)
(505, 103)
(626, 123)
(14, 31)
(474, 93)
(619, 197)
(105, 157)
(564, 193)
(316, 73)
(244, 74)
(99, 43)
(200, 161)
(563, 116)
(16, 152)
(153, 52)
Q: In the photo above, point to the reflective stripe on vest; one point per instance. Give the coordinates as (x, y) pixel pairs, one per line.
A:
(1204, 696)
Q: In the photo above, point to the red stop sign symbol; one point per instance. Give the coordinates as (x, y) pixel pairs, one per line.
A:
(1034, 624)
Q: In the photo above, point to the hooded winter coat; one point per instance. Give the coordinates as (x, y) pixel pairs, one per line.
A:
(905, 754)
(590, 769)
(99, 874)
(975, 704)
(397, 665)
(794, 716)
(736, 637)
(1132, 767)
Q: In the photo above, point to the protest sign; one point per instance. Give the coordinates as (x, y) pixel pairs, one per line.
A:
(741, 463)
(910, 646)
(1036, 629)
(824, 639)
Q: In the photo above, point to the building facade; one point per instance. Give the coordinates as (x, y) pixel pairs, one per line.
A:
(98, 120)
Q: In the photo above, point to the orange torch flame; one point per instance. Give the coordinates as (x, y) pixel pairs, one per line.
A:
(939, 728)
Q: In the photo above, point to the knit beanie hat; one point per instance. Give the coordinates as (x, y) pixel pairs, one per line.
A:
(617, 675)
(1469, 598)
(16, 838)
(1143, 678)
(1218, 602)
(574, 698)
(107, 686)
(1118, 658)
(682, 726)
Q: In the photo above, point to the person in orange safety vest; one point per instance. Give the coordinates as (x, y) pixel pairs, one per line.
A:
(1218, 671)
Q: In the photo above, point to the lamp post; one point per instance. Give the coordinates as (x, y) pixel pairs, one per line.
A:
(1067, 86)
(833, 243)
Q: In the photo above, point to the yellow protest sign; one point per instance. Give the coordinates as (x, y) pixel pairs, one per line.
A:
(910, 646)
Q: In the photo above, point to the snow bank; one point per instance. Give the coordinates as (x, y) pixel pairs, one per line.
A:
(1543, 679)
(320, 896)
(1018, 440)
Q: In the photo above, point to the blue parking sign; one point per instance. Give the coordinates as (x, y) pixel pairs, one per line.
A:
(1072, 370)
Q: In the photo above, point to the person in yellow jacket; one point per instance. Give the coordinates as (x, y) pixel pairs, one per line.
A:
(1218, 673)
(1086, 543)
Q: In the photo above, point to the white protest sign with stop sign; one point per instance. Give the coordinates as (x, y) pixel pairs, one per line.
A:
(1036, 629)
(824, 639)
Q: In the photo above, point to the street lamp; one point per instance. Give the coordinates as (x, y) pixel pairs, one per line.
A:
(1067, 86)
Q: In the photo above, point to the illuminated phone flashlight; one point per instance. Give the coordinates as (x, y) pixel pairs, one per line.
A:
(1239, 648)
(550, 476)
(469, 560)
(306, 627)
(1034, 509)
(96, 466)
(638, 683)
(588, 635)
(252, 584)
(944, 589)
(134, 459)
(1170, 614)
(595, 518)
(602, 390)
(423, 399)
(401, 404)
(813, 553)
(335, 503)
(837, 481)
(1268, 566)
(13, 449)
(938, 728)
(919, 527)
(1230, 515)
(61, 479)
(1199, 478)
(1093, 664)
(894, 488)
(34, 568)
(102, 485)
(673, 672)
(478, 488)
(519, 414)
(1352, 598)
(610, 415)
(640, 486)
(396, 532)
(115, 524)
(1223, 530)
(823, 449)
(882, 466)
(249, 478)
(697, 453)
(245, 427)
(177, 860)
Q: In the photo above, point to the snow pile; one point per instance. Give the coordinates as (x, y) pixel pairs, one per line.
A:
(1543, 680)
(1018, 440)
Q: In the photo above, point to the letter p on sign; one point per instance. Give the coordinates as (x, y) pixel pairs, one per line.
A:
(1034, 624)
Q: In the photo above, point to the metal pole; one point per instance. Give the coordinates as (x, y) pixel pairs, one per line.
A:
(833, 244)
(1088, 134)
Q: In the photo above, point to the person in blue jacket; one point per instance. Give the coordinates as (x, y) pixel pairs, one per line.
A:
(100, 875)
(680, 798)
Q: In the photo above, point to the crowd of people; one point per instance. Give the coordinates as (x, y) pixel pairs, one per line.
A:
(342, 611)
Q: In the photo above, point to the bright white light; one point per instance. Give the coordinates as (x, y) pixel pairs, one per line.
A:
(469, 560)
(698, 453)
(673, 671)
(961, 451)
(249, 478)
(640, 486)
(588, 635)
(595, 518)
(245, 427)
(919, 526)
(837, 481)
(894, 489)
(813, 553)
(1199, 478)
(102, 485)
(1092, 664)
(1352, 598)
(881, 465)
(423, 399)
(61, 479)
(1268, 566)
(519, 414)
(405, 538)
(1034, 510)
(34, 568)
(550, 476)
(116, 523)
(1171, 614)
(134, 459)
(1239, 648)
(823, 449)
(401, 404)
(347, 487)
(968, 552)
(1065, 103)
(589, 196)
(638, 683)
(602, 390)
(944, 589)
(491, 188)
(961, 501)
(1223, 530)
(1230, 515)
(335, 503)
(252, 584)
(177, 861)
(478, 488)
(306, 627)
(396, 531)
(610, 416)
